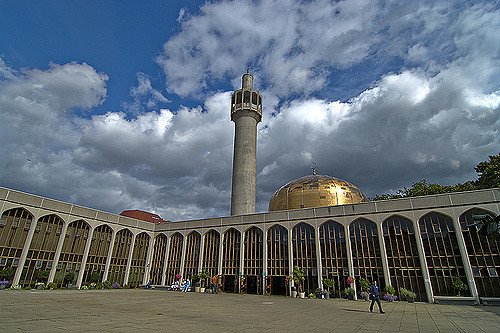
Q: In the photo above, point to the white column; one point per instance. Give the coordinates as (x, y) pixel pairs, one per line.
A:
(319, 264)
(202, 252)
(26, 247)
(242, 256)
(383, 252)
(165, 263)
(465, 259)
(264, 260)
(110, 254)
(60, 243)
(423, 261)
(290, 260)
(85, 258)
(129, 259)
(183, 256)
(221, 244)
(149, 259)
(350, 261)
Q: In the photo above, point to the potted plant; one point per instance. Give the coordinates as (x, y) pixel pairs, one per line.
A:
(389, 294)
(95, 277)
(459, 286)
(69, 279)
(364, 285)
(328, 283)
(349, 293)
(408, 295)
(203, 276)
(41, 277)
(298, 277)
(5, 275)
(196, 282)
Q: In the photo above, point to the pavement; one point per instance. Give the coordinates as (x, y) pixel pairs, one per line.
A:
(168, 311)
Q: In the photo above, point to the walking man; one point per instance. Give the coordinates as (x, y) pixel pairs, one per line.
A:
(375, 297)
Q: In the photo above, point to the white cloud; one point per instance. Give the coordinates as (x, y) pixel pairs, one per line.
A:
(434, 119)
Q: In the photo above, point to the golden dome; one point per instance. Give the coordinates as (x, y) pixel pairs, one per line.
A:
(315, 191)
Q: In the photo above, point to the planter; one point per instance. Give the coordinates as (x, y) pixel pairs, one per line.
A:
(294, 294)
(350, 297)
(302, 295)
(202, 290)
(2, 286)
(410, 300)
(197, 289)
(327, 296)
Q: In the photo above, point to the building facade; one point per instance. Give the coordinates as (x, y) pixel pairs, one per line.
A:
(419, 243)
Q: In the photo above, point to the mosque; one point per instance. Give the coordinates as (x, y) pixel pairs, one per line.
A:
(321, 224)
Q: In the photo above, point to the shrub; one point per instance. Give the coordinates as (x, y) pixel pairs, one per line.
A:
(106, 284)
(69, 277)
(459, 286)
(407, 294)
(312, 295)
(95, 277)
(349, 291)
(51, 286)
(390, 290)
(328, 283)
(85, 287)
(390, 298)
(364, 285)
(116, 285)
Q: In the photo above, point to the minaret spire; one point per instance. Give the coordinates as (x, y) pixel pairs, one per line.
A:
(246, 113)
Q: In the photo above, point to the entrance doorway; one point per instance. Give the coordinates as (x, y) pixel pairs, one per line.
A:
(252, 284)
(278, 285)
(229, 283)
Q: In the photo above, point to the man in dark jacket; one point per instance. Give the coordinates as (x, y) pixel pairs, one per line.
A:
(375, 297)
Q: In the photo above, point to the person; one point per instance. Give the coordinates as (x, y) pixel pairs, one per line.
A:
(185, 287)
(214, 284)
(375, 297)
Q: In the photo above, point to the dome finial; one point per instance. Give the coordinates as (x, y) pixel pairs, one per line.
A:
(313, 167)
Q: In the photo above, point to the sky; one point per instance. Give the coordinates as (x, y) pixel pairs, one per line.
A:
(121, 105)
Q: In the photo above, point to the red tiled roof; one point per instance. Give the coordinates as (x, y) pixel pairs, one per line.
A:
(142, 215)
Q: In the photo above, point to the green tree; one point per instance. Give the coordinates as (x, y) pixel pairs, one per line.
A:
(489, 172)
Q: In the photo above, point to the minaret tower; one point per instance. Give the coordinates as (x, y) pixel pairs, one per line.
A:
(246, 112)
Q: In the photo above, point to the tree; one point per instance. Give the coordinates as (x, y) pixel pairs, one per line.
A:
(489, 172)
(488, 177)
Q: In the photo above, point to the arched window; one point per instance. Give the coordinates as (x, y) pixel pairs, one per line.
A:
(99, 248)
(211, 252)
(192, 254)
(246, 96)
(402, 255)
(42, 251)
(304, 254)
(231, 260)
(254, 98)
(253, 261)
(138, 264)
(174, 257)
(366, 254)
(484, 254)
(119, 259)
(277, 260)
(334, 253)
(159, 251)
(73, 249)
(441, 252)
(14, 226)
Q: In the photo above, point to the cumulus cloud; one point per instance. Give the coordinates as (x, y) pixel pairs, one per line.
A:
(434, 115)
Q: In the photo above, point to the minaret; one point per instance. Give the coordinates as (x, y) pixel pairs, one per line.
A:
(246, 112)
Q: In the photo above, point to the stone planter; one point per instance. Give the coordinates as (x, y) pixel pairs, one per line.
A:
(294, 294)
(197, 289)
(410, 300)
(302, 295)
(202, 290)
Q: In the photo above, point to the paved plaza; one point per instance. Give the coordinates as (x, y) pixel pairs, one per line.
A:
(167, 311)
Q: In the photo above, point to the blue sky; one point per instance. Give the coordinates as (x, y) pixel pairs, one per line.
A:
(124, 105)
